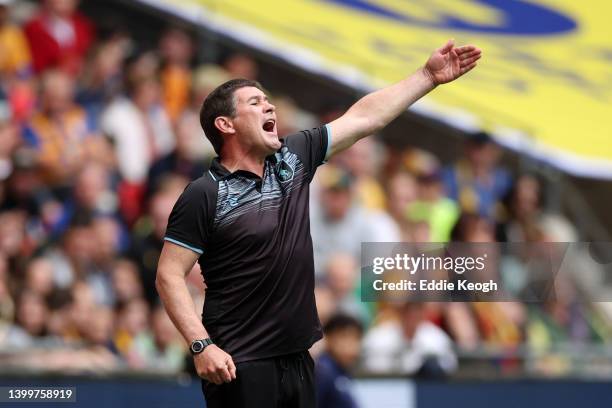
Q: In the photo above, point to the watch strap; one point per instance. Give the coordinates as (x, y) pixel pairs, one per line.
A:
(199, 343)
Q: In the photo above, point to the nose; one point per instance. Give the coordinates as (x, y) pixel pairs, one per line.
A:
(269, 108)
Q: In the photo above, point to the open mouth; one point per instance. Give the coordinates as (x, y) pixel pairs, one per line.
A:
(269, 125)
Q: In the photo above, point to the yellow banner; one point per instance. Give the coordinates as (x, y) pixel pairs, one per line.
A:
(544, 85)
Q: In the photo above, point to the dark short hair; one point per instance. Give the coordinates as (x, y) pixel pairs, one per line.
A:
(341, 321)
(478, 139)
(220, 102)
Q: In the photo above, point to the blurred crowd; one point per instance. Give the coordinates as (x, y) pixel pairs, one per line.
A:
(99, 137)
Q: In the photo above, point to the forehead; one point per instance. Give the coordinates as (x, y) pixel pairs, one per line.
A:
(346, 332)
(245, 93)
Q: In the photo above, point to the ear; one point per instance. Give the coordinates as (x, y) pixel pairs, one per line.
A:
(225, 125)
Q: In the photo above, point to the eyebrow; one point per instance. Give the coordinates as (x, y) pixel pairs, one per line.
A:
(257, 97)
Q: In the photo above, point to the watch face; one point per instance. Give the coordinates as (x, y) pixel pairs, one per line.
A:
(197, 346)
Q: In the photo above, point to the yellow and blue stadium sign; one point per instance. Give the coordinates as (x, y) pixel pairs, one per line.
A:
(543, 87)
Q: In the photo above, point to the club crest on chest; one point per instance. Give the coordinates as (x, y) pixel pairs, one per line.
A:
(284, 171)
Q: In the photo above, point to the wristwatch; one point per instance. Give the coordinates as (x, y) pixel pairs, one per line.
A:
(198, 346)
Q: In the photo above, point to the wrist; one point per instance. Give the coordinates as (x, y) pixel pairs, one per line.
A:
(197, 346)
(428, 77)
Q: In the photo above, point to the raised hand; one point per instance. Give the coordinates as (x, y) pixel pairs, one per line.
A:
(448, 63)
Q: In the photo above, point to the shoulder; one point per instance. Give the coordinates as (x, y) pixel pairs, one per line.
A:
(202, 186)
(322, 130)
(37, 124)
(311, 145)
(431, 335)
(76, 113)
(121, 106)
(326, 368)
(384, 336)
(11, 32)
(34, 25)
(82, 22)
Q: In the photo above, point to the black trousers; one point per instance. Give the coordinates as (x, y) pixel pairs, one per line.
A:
(277, 382)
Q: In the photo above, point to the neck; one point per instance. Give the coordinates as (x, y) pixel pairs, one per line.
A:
(243, 161)
(53, 15)
(481, 172)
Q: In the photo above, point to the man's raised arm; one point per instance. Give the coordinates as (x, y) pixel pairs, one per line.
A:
(175, 263)
(374, 111)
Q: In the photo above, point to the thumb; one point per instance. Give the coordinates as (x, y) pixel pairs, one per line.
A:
(446, 48)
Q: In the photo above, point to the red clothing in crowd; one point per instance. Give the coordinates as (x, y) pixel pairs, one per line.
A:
(59, 43)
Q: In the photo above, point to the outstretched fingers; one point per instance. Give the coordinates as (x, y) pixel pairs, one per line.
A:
(469, 55)
(467, 49)
(467, 68)
(470, 60)
(447, 47)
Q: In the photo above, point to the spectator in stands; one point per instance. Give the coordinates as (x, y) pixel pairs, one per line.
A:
(16, 91)
(81, 307)
(176, 49)
(527, 217)
(401, 190)
(103, 79)
(30, 321)
(363, 160)
(123, 123)
(73, 259)
(7, 306)
(141, 132)
(107, 234)
(25, 189)
(409, 344)
(499, 323)
(13, 242)
(59, 36)
(99, 332)
(290, 118)
(59, 131)
(433, 208)
(132, 326)
(476, 182)
(149, 233)
(342, 349)
(126, 282)
(181, 161)
(39, 277)
(59, 323)
(165, 349)
(240, 65)
(15, 59)
(342, 277)
(205, 78)
(93, 193)
(9, 141)
(340, 224)
(146, 96)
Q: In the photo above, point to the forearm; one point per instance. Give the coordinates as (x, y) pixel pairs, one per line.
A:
(382, 106)
(179, 305)
(376, 110)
